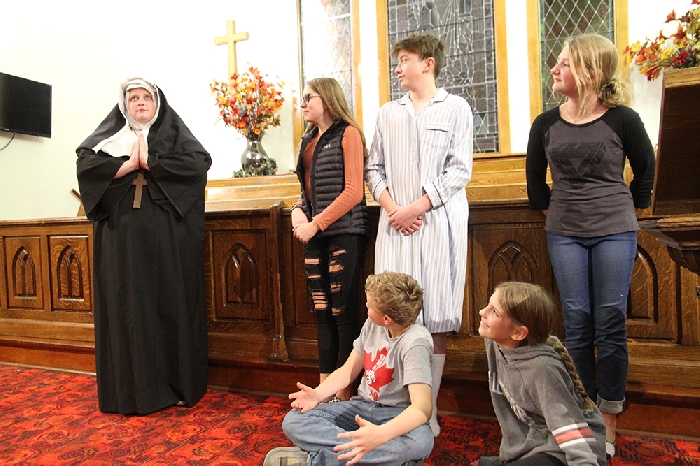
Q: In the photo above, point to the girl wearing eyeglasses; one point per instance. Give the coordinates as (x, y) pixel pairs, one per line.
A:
(331, 219)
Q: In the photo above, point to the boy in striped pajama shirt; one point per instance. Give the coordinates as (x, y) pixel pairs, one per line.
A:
(417, 169)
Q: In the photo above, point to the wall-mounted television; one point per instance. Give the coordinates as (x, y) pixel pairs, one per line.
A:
(25, 106)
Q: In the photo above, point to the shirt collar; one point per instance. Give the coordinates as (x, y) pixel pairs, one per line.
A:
(439, 97)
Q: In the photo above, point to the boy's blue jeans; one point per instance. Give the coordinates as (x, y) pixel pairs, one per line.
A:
(316, 431)
(593, 276)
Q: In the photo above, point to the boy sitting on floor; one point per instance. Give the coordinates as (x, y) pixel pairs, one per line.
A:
(387, 422)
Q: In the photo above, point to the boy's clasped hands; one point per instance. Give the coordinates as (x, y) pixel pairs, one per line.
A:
(364, 439)
(406, 219)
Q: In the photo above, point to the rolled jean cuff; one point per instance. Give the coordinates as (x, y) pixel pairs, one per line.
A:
(611, 407)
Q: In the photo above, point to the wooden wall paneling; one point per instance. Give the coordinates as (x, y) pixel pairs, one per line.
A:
(299, 335)
(208, 262)
(279, 347)
(24, 268)
(70, 273)
(241, 288)
(247, 342)
(3, 275)
(239, 264)
(470, 307)
(690, 307)
(70, 327)
(31, 332)
(652, 309)
(302, 321)
(506, 245)
(72, 357)
(668, 367)
(303, 315)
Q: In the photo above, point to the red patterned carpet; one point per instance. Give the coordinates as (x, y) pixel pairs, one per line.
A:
(51, 418)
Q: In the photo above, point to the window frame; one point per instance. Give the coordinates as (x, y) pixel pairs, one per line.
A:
(501, 58)
(298, 118)
(621, 22)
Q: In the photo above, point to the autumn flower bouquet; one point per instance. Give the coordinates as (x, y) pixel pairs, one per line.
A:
(248, 102)
(678, 50)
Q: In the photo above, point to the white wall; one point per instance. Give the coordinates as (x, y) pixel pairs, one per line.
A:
(518, 77)
(646, 18)
(645, 21)
(85, 48)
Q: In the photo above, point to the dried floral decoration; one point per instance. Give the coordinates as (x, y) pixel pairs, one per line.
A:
(248, 102)
(678, 50)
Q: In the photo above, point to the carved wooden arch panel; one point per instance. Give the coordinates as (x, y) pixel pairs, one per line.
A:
(24, 279)
(515, 252)
(240, 267)
(24, 272)
(240, 277)
(511, 262)
(70, 273)
(652, 308)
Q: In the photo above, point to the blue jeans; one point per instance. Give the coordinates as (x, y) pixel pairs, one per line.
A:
(593, 276)
(316, 431)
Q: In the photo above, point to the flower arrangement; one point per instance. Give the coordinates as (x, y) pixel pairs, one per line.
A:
(678, 50)
(248, 102)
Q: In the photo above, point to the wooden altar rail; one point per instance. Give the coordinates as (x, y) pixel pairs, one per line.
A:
(493, 180)
(262, 335)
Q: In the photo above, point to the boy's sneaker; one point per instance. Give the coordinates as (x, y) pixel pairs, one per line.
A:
(286, 456)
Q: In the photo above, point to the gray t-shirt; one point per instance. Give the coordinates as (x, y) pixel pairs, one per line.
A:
(589, 195)
(391, 364)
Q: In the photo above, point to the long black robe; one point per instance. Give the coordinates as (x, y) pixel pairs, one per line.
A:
(150, 312)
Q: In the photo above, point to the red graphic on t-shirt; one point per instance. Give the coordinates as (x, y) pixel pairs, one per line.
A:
(376, 372)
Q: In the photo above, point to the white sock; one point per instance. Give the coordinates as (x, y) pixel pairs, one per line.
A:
(436, 369)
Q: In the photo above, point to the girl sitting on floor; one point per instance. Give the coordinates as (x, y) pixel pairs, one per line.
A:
(539, 400)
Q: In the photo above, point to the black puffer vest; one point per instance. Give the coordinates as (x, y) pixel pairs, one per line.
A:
(327, 181)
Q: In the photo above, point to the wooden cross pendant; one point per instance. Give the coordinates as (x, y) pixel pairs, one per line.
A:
(139, 182)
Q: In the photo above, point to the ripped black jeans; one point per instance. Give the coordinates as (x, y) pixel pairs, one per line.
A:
(332, 267)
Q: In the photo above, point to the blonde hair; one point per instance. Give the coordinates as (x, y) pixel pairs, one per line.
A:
(396, 295)
(593, 60)
(532, 306)
(335, 104)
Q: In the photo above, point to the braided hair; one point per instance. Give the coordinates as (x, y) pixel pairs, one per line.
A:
(532, 306)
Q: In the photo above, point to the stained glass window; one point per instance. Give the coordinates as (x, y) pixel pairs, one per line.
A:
(467, 29)
(561, 19)
(326, 42)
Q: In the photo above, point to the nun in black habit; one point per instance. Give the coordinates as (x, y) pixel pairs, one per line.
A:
(142, 176)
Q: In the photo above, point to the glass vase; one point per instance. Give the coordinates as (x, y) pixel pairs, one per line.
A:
(254, 152)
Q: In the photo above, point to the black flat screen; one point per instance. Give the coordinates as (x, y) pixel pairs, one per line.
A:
(25, 106)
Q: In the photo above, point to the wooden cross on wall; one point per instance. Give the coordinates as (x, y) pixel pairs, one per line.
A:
(231, 38)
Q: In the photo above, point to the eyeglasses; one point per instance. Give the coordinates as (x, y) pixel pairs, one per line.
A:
(306, 98)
